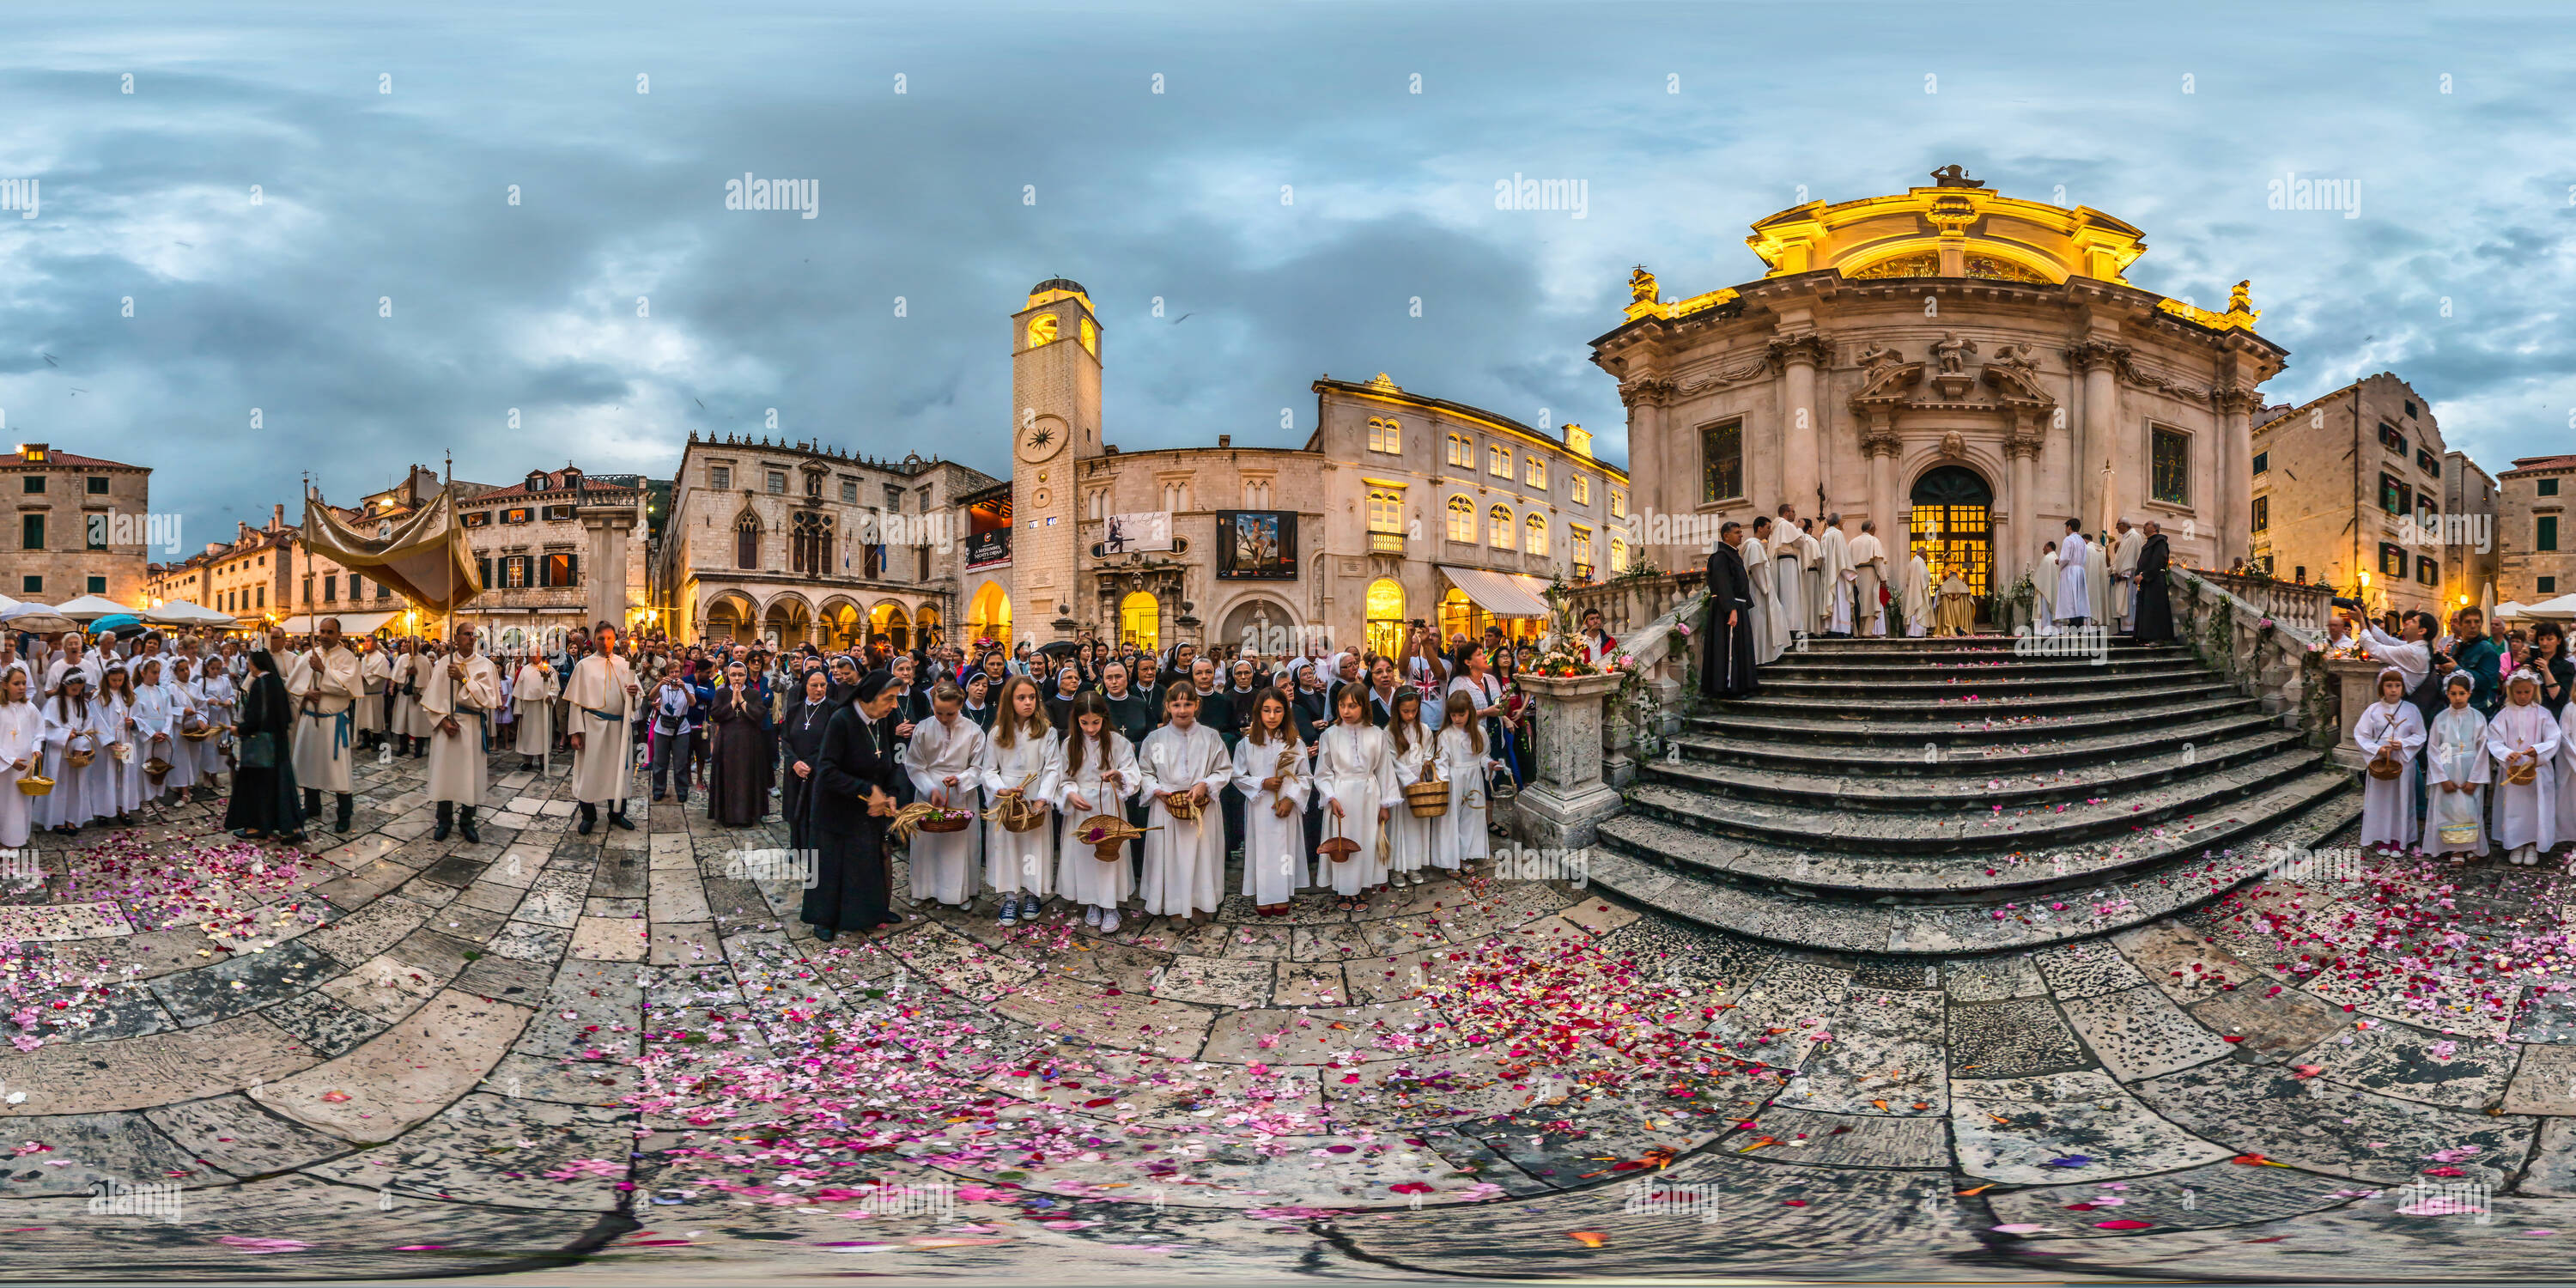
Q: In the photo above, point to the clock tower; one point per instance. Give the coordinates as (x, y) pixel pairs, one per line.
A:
(1055, 424)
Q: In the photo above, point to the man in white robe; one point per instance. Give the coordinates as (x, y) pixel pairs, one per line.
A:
(460, 696)
(1834, 566)
(1768, 628)
(1789, 571)
(325, 685)
(1918, 597)
(533, 692)
(1869, 566)
(2124, 574)
(940, 760)
(602, 695)
(2074, 595)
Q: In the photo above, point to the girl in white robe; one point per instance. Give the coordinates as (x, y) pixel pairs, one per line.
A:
(1185, 859)
(2455, 771)
(1269, 769)
(1094, 769)
(220, 695)
(187, 711)
(1415, 749)
(1459, 843)
(155, 721)
(1015, 756)
(1355, 772)
(2567, 774)
(2526, 814)
(2390, 727)
(123, 750)
(940, 759)
(21, 752)
(82, 793)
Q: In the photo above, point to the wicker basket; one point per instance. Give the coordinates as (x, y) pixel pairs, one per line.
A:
(198, 734)
(1181, 807)
(1428, 798)
(35, 785)
(79, 759)
(2523, 775)
(949, 821)
(1108, 835)
(156, 769)
(1015, 812)
(2384, 766)
(1338, 848)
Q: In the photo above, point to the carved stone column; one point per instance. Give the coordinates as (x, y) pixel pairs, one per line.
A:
(2235, 517)
(2020, 540)
(1802, 471)
(2099, 361)
(603, 580)
(1878, 440)
(1653, 463)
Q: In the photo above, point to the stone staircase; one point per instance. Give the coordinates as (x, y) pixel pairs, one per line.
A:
(1947, 795)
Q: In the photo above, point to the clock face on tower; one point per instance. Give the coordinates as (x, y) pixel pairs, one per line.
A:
(1041, 440)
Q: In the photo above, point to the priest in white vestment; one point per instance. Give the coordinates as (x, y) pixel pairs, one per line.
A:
(459, 696)
(325, 685)
(1869, 567)
(1834, 616)
(603, 698)
(1770, 629)
(1918, 597)
(1789, 572)
(2124, 574)
(2074, 595)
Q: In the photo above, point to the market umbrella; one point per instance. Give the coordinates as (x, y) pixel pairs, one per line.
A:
(2486, 601)
(28, 615)
(90, 607)
(2560, 609)
(180, 612)
(115, 622)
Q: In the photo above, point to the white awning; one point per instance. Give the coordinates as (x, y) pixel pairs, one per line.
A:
(1503, 594)
(2553, 610)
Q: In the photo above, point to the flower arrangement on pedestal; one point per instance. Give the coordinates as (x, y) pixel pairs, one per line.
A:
(1560, 648)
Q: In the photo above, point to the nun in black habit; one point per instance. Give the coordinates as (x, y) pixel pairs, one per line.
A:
(1726, 656)
(851, 800)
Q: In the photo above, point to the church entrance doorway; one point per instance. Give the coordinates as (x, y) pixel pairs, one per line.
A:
(1953, 527)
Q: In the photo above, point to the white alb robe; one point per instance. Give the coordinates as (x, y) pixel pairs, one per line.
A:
(1835, 613)
(2525, 814)
(944, 863)
(2456, 752)
(1918, 598)
(1869, 564)
(1107, 776)
(1410, 840)
(21, 739)
(1018, 862)
(81, 792)
(602, 695)
(1276, 864)
(322, 732)
(1184, 862)
(2073, 596)
(1355, 766)
(1770, 617)
(1458, 837)
(2124, 570)
(459, 769)
(1789, 581)
(533, 692)
(2388, 804)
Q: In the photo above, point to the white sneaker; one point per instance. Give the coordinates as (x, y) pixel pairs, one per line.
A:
(1109, 921)
(1091, 918)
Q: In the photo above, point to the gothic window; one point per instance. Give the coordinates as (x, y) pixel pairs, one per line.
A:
(809, 544)
(1536, 526)
(746, 542)
(1498, 527)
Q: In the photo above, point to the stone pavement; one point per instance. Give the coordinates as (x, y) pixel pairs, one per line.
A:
(618, 1056)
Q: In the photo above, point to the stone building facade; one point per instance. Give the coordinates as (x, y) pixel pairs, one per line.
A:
(2469, 538)
(1971, 366)
(797, 542)
(249, 576)
(84, 527)
(2350, 490)
(2536, 551)
(536, 543)
(1385, 515)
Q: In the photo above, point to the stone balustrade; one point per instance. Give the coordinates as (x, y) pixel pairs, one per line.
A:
(1590, 730)
(2280, 662)
(2308, 608)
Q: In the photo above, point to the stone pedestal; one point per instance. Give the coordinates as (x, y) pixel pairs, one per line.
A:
(2353, 678)
(1568, 799)
(603, 571)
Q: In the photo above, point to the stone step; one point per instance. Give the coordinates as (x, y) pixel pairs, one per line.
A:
(1813, 666)
(1963, 783)
(1978, 829)
(1871, 686)
(1972, 705)
(1953, 928)
(2027, 756)
(2019, 872)
(1992, 722)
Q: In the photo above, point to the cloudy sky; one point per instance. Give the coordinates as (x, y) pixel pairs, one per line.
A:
(1306, 173)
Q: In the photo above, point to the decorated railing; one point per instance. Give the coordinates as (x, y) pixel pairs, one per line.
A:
(2280, 661)
(1628, 603)
(1592, 729)
(2308, 608)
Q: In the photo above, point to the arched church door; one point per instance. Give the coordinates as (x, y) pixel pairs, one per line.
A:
(1953, 526)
